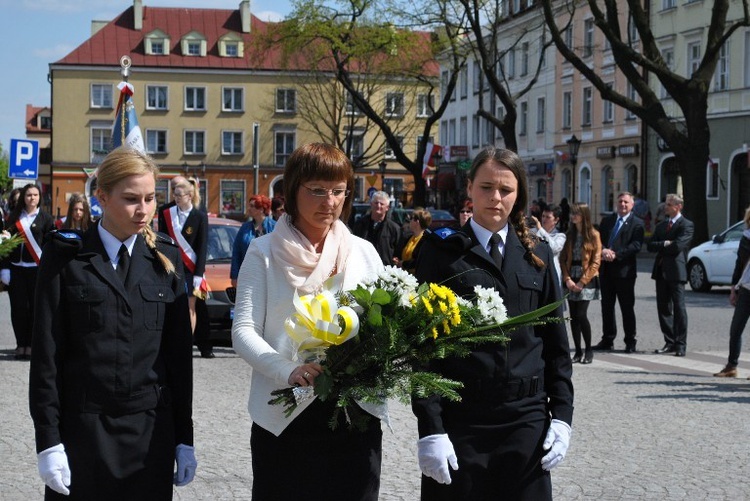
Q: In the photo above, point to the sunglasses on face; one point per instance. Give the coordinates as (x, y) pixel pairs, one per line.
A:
(466, 211)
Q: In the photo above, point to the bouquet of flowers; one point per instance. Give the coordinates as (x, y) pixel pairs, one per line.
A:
(7, 244)
(373, 340)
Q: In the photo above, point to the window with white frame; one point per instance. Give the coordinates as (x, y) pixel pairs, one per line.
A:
(286, 100)
(284, 144)
(668, 55)
(193, 48)
(156, 141)
(233, 99)
(425, 105)
(463, 79)
(567, 109)
(355, 143)
(541, 115)
(523, 119)
(451, 132)
(463, 131)
(489, 132)
(156, 97)
(524, 59)
(477, 78)
(195, 99)
(586, 107)
(444, 132)
(232, 49)
(232, 195)
(388, 151)
(101, 139)
(693, 57)
(668, 4)
(588, 37)
(721, 78)
(231, 142)
(394, 104)
(511, 69)
(156, 43)
(157, 47)
(444, 79)
(608, 108)
(712, 179)
(475, 132)
(632, 30)
(568, 35)
(633, 95)
(350, 107)
(101, 95)
(195, 142)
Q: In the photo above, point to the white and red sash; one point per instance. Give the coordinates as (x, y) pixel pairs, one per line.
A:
(24, 227)
(189, 256)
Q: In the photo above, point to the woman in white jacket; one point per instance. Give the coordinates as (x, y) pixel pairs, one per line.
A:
(299, 457)
(547, 229)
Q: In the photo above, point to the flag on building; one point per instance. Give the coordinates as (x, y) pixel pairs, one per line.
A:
(125, 130)
(429, 158)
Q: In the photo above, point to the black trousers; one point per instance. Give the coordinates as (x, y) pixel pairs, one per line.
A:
(615, 289)
(21, 295)
(670, 305)
(312, 462)
(499, 450)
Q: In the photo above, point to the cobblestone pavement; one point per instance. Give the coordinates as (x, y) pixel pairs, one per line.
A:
(646, 426)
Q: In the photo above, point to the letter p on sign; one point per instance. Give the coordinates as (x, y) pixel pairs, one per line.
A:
(24, 159)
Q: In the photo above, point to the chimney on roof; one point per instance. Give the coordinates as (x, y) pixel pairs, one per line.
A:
(245, 15)
(97, 25)
(138, 15)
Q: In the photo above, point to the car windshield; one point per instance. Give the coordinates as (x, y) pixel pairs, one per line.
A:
(220, 241)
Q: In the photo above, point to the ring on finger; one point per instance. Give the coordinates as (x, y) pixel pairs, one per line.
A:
(307, 375)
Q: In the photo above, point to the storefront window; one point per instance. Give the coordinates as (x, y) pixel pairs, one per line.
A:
(232, 196)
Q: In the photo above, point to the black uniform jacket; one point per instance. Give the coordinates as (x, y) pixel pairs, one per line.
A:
(43, 223)
(385, 237)
(195, 231)
(671, 261)
(107, 348)
(460, 262)
(627, 244)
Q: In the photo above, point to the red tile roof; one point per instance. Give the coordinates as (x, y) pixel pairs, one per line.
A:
(31, 121)
(118, 38)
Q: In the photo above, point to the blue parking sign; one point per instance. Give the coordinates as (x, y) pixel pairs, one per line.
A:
(24, 159)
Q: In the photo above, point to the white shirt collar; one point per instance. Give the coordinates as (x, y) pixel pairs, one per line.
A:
(112, 244)
(676, 218)
(483, 234)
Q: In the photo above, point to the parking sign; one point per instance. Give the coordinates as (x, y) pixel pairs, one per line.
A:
(24, 159)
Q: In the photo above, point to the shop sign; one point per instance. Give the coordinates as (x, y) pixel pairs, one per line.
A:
(605, 152)
(457, 152)
(628, 150)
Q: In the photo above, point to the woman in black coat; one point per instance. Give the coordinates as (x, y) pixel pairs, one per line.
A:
(513, 423)
(111, 372)
(19, 269)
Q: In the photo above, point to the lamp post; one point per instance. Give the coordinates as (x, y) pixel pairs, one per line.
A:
(574, 144)
(382, 166)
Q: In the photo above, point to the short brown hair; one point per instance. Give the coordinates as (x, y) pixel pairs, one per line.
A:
(316, 161)
(423, 216)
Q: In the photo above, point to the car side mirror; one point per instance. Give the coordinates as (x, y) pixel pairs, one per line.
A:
(716, 239)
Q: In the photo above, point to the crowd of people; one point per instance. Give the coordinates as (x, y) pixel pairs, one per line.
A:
(112, 412)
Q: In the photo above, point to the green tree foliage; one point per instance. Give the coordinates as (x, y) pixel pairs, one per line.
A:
(5, 181)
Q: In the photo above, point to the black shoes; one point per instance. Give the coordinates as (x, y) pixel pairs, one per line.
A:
(209, 353)
(588, 358)
(603, 346)
(680, 352)
(630, 349)
(668, 348)
(577, 357)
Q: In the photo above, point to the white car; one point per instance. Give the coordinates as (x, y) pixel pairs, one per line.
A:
(712, 262)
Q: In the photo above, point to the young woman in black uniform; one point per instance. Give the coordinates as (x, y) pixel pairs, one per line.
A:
(19, 270)
(111, 372)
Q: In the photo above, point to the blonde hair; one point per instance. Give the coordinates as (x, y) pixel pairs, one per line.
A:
(190, 186)
(120, 164)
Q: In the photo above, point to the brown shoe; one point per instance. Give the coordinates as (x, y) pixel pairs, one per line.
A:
(727, 371)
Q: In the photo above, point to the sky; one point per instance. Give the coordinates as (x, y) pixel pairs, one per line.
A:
(36, 33)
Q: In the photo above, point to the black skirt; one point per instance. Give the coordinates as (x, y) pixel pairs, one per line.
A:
(312, 462)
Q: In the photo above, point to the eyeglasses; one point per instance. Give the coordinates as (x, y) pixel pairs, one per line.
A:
(466, 211)
(324, 192)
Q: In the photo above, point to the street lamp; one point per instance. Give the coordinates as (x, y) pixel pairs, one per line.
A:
(574, 144)
(382, 166)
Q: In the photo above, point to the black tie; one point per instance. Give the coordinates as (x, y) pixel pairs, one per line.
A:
(497, 256)
(123, 263)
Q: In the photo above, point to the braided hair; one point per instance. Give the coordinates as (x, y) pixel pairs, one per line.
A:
(517, 218)
(122, 163)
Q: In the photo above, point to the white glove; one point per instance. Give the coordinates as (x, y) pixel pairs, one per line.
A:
(5, 276)
(435, 453)
(557, 442)
(54, 469)
(197, 282)
(186, 464)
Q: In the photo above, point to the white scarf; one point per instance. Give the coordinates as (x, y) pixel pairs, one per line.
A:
(305, 269)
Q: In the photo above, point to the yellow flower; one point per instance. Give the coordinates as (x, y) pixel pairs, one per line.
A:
(443, 307)
(446, 327)
(427, 305)
(434, 333)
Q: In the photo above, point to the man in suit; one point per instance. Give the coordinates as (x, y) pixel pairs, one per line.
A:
(671, 242)
(622, 237)
(378, 229)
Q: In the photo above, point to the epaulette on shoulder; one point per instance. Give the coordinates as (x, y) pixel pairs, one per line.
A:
(449, 237)
(163, 238)
(66, 240)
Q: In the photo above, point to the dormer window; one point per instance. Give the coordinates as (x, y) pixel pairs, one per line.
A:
(193, 44)
(231, 45)
(157, 43)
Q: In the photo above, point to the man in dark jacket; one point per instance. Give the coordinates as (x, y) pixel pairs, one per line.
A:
(622, 238)
(377, 228)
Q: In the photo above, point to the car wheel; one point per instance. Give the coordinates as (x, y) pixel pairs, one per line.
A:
(697, 277)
